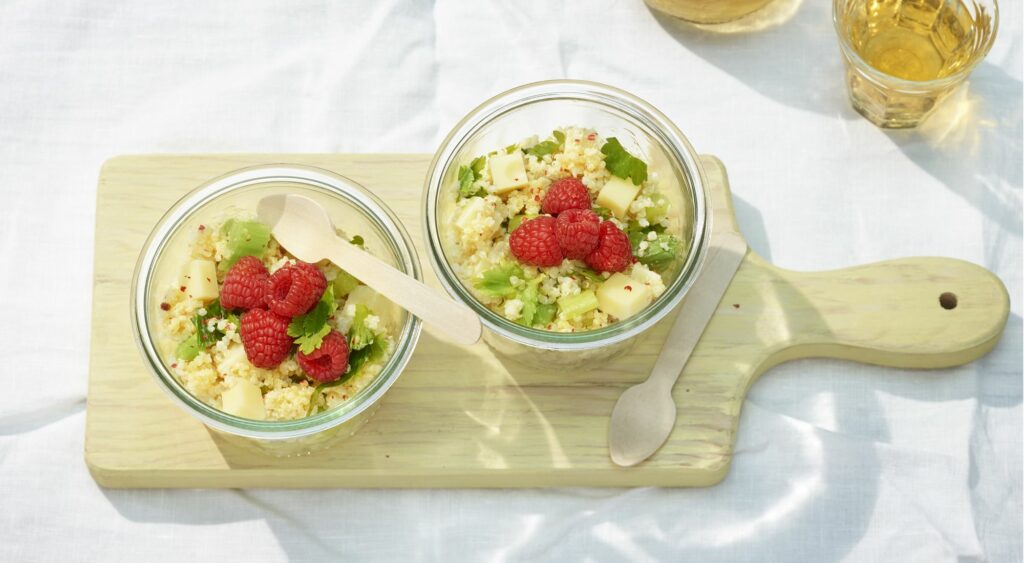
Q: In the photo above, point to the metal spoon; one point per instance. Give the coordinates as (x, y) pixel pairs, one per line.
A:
(303, 227)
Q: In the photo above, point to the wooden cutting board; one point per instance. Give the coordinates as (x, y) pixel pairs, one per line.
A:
(462, 417)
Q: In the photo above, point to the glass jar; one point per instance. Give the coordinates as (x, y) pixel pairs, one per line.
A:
(707, 11)
(537, 109)
(352, 208)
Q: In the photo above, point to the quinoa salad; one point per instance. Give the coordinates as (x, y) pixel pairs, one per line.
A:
(567, 233)
(252, 331)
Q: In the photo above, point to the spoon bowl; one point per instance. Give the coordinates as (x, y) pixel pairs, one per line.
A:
(642, 420)
(304, 228)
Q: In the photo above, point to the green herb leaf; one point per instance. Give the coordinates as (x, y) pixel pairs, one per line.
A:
(477, 165)
(497, 282)
(359, 358)
(204, 337)
(549, 146)
(314, 398)
(541, 149)
(661, 252)
(359, 335)
(528, 295)
(309, 329)
(588, 274)
(636, 234)
(603, 212)
(467, 176)
(310, 342)
(511, 149)
(622, 164)
(357, 240)
(356, 360)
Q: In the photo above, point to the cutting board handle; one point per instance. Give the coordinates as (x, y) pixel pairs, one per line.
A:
(909, 312)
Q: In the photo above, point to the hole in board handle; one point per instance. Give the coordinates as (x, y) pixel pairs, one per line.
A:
(948, 300)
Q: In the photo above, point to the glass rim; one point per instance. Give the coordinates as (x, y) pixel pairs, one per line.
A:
(663, 130)
(329, 183)
(904, 84)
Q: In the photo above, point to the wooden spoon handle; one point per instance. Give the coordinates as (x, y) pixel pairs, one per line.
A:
(452, 320)
(910, 312)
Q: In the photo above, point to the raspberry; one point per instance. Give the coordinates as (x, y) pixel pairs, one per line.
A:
(578, 232)
(567, 193)
(613, 253)
(295, 288)
(246, 285)
(329, 361)
(265, 338)
(535, 242)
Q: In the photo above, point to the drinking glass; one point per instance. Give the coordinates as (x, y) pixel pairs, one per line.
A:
(903, 57)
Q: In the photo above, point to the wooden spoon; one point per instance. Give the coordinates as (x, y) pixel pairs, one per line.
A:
(303, 227)
(645, 414)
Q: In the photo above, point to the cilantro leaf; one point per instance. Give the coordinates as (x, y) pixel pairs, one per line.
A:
(588, 274)
(549, 146)
(358, 358)
(541, 149)
(309, 329)
(468, 175)
(603, 212)
(636, 234)
(314, 399)
(203, 338)
(511, 148)
(359, 335)
(622, 164)
(498, 282)
(310, 342)
(477, 165)
(661, 252)
(358, 241)
(528, 296)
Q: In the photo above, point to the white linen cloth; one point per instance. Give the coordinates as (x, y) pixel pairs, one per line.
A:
(835, 461)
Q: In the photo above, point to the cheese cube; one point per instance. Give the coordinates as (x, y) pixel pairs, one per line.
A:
(617, 194)
(508, 172)
(201, 280)
(244, 400)
(622, 297)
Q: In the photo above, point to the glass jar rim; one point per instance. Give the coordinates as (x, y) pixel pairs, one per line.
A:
(903, 84)
(662, 129)
(329, 183)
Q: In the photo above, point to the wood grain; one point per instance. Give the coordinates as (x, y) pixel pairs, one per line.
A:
(462, 417)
